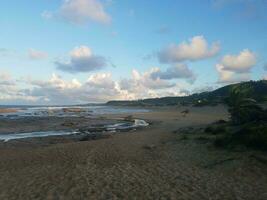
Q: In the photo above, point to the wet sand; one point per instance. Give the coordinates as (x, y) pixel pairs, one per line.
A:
(150, 163)
(32, 124)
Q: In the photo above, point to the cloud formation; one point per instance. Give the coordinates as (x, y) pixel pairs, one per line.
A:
(236, 68)
(265, 67)
(99, 87)
(34, 54)
(101, 80)
(178, 71)
(142, 85)
(10, 92)
(196, 49)
(226, 76)
(241, 63)
(145, 80)
(81, 12)
(82, 59)
(5, 79)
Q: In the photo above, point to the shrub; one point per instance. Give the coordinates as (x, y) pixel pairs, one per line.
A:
(208, 129)
(250, 135)
(222, 141)
(220, 121)
(242, 108)
(215, 129)
(254, 136)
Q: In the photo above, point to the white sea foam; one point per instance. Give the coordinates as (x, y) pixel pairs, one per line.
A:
(140, 123)
(14, 136)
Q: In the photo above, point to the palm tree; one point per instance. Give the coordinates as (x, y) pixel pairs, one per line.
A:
(242, 108)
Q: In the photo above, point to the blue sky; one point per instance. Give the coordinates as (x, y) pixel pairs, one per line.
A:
(77, 51)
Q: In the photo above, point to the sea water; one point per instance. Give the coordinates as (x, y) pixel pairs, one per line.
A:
(68, 111)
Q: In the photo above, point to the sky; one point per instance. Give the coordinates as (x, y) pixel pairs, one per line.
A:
(80, 51)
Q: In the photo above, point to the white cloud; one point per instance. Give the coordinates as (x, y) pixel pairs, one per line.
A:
(99, 87)
(196, 49)
(178, 71)
(57, 82)
(142, 85)
(101, 80)
(5, 79)
(10, 91)
(36, 55)
(82, 59)
(226, 76)
(145, 80)
(236, 68)
(80, 12)
(241, 63)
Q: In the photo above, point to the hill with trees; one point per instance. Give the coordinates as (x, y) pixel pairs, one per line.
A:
(258, 92)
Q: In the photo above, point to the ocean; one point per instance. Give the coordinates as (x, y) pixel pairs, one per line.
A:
(65, 111)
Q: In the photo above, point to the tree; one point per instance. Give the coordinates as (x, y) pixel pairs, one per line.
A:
(242, 107)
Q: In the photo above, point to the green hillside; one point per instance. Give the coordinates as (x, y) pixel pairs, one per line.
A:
(258, 92)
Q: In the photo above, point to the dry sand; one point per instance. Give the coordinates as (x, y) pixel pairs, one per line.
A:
(8, 110)
(151, 163)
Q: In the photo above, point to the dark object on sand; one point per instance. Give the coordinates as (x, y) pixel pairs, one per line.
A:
(93, 129)
(69, 124)
(74, 110)
(185, 112)
(221, 121)
(93, 136)
(149, 147)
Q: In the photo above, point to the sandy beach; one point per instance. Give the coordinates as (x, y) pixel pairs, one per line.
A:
(153, 162)
(8, 110)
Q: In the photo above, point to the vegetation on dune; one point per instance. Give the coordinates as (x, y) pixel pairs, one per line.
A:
(242, 107)
(251, 135)
(248, 125)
